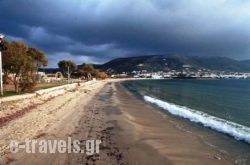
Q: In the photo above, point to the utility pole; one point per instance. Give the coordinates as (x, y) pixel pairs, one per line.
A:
(1, 67)
(68, 74)
(1, 74)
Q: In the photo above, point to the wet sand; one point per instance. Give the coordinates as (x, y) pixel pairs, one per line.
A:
(131, 131)
(149, 136)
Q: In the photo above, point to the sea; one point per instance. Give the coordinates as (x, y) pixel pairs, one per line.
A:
(218, 108)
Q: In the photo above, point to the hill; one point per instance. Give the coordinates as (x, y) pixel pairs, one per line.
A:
(246, 62)
(154, 63)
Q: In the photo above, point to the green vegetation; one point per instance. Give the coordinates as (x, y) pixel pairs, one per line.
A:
(10, 93)
(67, 67)
(38, 86)
(153, 63)
(88, 71)
(84, 71)
(20, 63)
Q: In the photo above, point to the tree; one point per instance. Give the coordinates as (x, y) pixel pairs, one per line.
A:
(65, 66)
(87, 71)
(38, 56)
(19, 65)
(88, 68)
(27, 80)
(39, 59)
(101, 75)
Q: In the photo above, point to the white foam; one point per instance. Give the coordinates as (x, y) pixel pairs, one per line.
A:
(238, 131)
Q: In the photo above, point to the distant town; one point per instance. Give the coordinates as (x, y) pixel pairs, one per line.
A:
(186, 72)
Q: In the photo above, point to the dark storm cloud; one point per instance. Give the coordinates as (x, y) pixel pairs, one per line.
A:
(97, 30)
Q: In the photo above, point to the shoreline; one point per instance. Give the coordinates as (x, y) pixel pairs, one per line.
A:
(162, 134)
(222, 146)
(131, 131)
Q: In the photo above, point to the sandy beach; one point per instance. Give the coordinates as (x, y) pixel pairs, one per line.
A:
(131, 131)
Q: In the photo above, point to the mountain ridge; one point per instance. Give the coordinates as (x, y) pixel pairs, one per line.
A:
(153, 63)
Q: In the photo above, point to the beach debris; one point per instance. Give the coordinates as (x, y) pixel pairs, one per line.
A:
(217, 157)
(241, 161)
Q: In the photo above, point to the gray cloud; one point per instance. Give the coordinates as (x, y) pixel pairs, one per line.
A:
(97, 31)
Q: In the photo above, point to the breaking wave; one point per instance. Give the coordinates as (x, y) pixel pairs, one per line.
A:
(239, 132)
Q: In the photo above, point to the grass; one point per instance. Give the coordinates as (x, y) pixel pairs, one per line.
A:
(9, 89)
(49, 85)
(10, 93)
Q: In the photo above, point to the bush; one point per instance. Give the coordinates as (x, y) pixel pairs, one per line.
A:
(27, 87)
(27, 84)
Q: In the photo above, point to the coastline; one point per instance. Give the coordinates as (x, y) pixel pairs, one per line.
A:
(131, 131)
(161, 134)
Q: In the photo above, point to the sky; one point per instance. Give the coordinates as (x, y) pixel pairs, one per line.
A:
(96, 31)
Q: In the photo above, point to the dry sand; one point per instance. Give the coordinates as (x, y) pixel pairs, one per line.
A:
(131, 132)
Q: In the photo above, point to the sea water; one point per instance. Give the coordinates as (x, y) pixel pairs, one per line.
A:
(220, 105)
